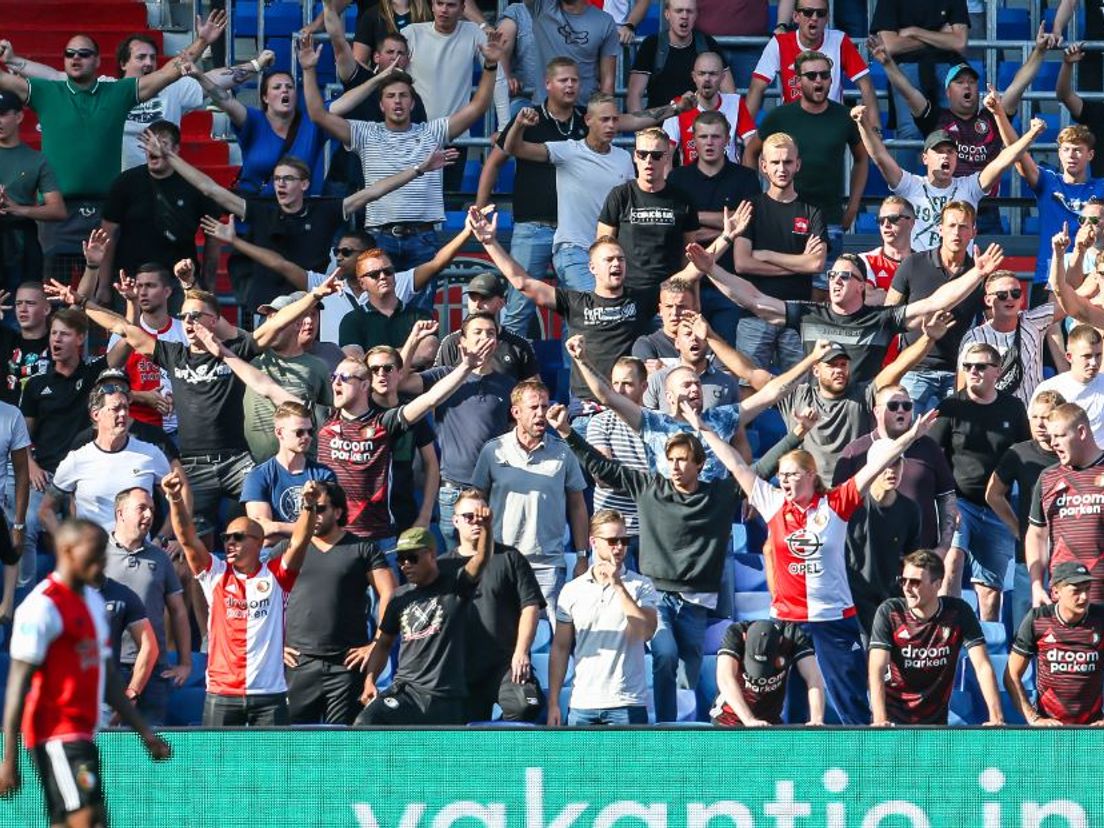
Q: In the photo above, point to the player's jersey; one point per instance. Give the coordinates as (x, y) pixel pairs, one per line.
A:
(923, 656)
(879, 273)
(1067, 662)
(767, 695)
(680, 128)
(781, 50)
(1070, 503)
(245, 628)
(807, 552)
(64, 633)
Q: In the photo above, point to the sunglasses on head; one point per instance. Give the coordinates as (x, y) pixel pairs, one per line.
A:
(893, 218)
(1002, 295)
(616, 540)
(976, 366)
(1093, 220)
(114, 388)
(812, 12)
(375, 274)
(345, 378)
(382, 369)
(345, 252)
(655, 155)
(899, 405)
(237, 537)
(81, 53)
(823, 74)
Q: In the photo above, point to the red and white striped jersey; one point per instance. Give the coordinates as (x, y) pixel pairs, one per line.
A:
(680, 127)
(806, 547)
(65, 633)
(780, 51)
(245, 627)
(879, 274)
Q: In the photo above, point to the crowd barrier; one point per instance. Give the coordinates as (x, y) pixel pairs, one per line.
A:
(530, 778)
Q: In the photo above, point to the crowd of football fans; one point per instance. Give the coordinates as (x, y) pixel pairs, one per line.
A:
(350, 517)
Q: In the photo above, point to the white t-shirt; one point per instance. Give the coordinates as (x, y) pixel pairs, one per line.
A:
(441, 65)
(170, 104)
(928, 201)
(95, 476)
(13, 436)
(1090, 396)
(583, 180)
(335, 307)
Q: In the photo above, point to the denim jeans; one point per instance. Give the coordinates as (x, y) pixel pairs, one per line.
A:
(842, 661)
(588, 716)
(988, 544)
(153, 703)
(928, 388)
(680, 637)
(447, 496)
(851, 16)
(572, 265)
(550, 580)
(29, 561)
(723, 314)
(258, 710)
(531, 246)
(411, 251)
(769, 345)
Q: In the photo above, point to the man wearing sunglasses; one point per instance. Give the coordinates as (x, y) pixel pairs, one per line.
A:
(914, 650)
(895, 222)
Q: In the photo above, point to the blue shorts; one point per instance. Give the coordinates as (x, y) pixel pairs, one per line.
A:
(987, 541)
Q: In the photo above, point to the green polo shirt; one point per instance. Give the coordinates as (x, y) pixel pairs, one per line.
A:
(367, 327)
(82, 131)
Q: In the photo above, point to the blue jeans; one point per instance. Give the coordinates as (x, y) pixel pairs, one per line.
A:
(851, 17)
(531, 246)
(769, 345)
(680, 636)
(741, 61)
(723, 314)
(409, 252)
(988, 544)
(572, 265)
(447, 496)
(29, 561)
(587, 716)
(842, 661)
(928, 388)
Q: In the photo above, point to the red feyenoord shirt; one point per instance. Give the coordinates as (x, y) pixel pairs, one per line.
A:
(1070, 503)
(806, 547)
(65, 634)
(879, 273)
(1067, 662)
(781, 50)
(680, 128)
(147, 375)
(360, 452)
(923, 656)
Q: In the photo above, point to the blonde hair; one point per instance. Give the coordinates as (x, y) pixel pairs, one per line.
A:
(1077, 134)
(779, 139)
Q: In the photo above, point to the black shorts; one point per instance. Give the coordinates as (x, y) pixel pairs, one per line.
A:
(71, 779)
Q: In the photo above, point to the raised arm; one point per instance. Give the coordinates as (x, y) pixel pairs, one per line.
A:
(343, 52)
(655, 115)
(230, 202)
(484, 544)
(221, 96)
(351, 98)
(1025, 164)
(1008, 156)
(424, 273)
(608, 471)
(462, 119)
(328, 121)
(1064, 89)
(199, 559)
(954, 292)
(16, 85)
(265, 335)
(517, 146)
(730, 458)
(772, 392)
(1072, 302)
(729, 357)
(22, 67)
(303, 530)
(876, 148)
(442, 390)
(484, 230)
(736, 288)
(110, 321)
(879, 460)
(599, 386)
(254, 379)
(934, 327)
(916, 100)
(1013, 93)
(264, 256)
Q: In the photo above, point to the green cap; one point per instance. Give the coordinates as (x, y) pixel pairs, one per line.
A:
(416, 539)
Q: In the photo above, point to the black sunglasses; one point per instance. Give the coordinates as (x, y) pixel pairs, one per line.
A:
(237, 537)
(382, 369)
(842, 275)
(81, 53)
(408, 557)
(893, 218)
(655, 155)
(1093, 220)
(375, 274)
(903, 581)
(976, 366)
(616, 540)
(467, 517)
(345, 378)
(899, 405)
(812, 12)
(346, 252)
(824, 74)
(1002, 295)
(114, 388)
(303, 432)
(194, 316)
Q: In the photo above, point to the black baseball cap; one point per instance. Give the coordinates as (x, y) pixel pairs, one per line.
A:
(834, 350)
(487, 284)
(10, 102)
(1070, 572)
(761, 642)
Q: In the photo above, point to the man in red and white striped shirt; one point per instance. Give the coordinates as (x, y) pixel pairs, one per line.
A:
(61, 672)
(707, 74)
(245, 624)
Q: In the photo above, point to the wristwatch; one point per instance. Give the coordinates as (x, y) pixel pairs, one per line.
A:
(19, 527)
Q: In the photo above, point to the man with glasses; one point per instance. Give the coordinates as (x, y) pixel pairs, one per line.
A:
(247, 598)
(975, 428)
(914, 650)
(895, 222)
(1089, 241)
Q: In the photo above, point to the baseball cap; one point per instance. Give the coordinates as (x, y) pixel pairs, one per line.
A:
(761, 643)
(487, 284)
(112, 375)
(957, 70)
(834, 350)
(940, 136)
(10, 102)
(281, 302)
(1070, 572)
(520, 702)
(415, 540)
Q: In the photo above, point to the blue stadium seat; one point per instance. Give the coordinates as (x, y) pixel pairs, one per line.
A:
(1054, 125)
(752, 606)
(866, 223)
(1005, 72)
(470, 181)
(543, 639)
(185, 707)
(650, 24)
(506, 173)
(739, 539)
(1014, 24)
(1030, 226)
(878, 76)
(281, 47)
(1047, 79)
(454, 221)
(750, 573)
(876, 184)
(996, 637)
(714, 635)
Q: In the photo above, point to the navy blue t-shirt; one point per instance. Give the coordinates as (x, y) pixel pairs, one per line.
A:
(271, 483)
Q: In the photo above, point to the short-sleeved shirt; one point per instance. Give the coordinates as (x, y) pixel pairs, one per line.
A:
(59, 407)
(822, 138)
(146, 375)
(977, 137)
(535, 197)
(1069, 503)
(894, 15)
(170, 104)
(261, 148)
(879, 535)
(650, 228)
(149, 572)
(656, 346)
(1059, 202)
(675, 77)
(1021, 466)
(923, 657)
(781, 50)
(22, 358)
(96, 116)
(584, 178)
(611, 435)
(94, 476)
(207, 395)
(528, 494)
(841, 420)
(304, 376)
(766, 695)
(1031, 327)
(609, 665)
(866, 334)
(1089, 395)
(784, 227)
(384, 152)
(718, 388)
(513, 357)
(441, 64)
(656, 428)
(680, 129)
(432, 621)
(279, 487)
(1068, 658)
(586, 38)
(124, 610)
(13, 437)
(367, 327)
(928, 202)
(327, 613)
(477, 412)
(25, 175)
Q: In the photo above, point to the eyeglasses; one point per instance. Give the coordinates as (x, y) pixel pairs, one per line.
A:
(812, 12)
(842, 275)
(194, 316)
(237, 537)
(1002, 295)
(375, 274)
(899, 405)
(824, 74)
(286, 179)
(1093, 220)
(790, 475)
(345, 378)
(976, 366)
(894, 218)
(616, 540)
(345, 252)
(80, 53)
(655, 155)
(914, 582)
(382, 369)
(408, 557)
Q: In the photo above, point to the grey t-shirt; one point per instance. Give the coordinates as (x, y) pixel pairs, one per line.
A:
(149, 572)
(305, 376)
(841, 420)
(585, 38)
(526, 59)
(718, 388)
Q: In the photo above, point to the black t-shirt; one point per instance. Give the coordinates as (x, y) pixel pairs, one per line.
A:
(506, 587)
(327, 612)
(711, 194)
(157, 218)
(369, 108)
(407, 446)
(656, 345)
(866, 334)
(22, 359)
(207, 395)
(59, 407)
(146, 432)
(675, 77)
(432, 621)
(650, 227)
(765, 696)
(878, 537)
(611, 326)
(1068, 659)
(784, 227)
(894, 15)
(975, 436)
(535, 181)
(919, 276)
(1022, 464)
(923, 657)
(124, 608)
(371, 26)
(513, 357)
(1092, 116)
(303, 238)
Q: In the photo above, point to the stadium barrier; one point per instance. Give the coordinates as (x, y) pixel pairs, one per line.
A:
(528, 778)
